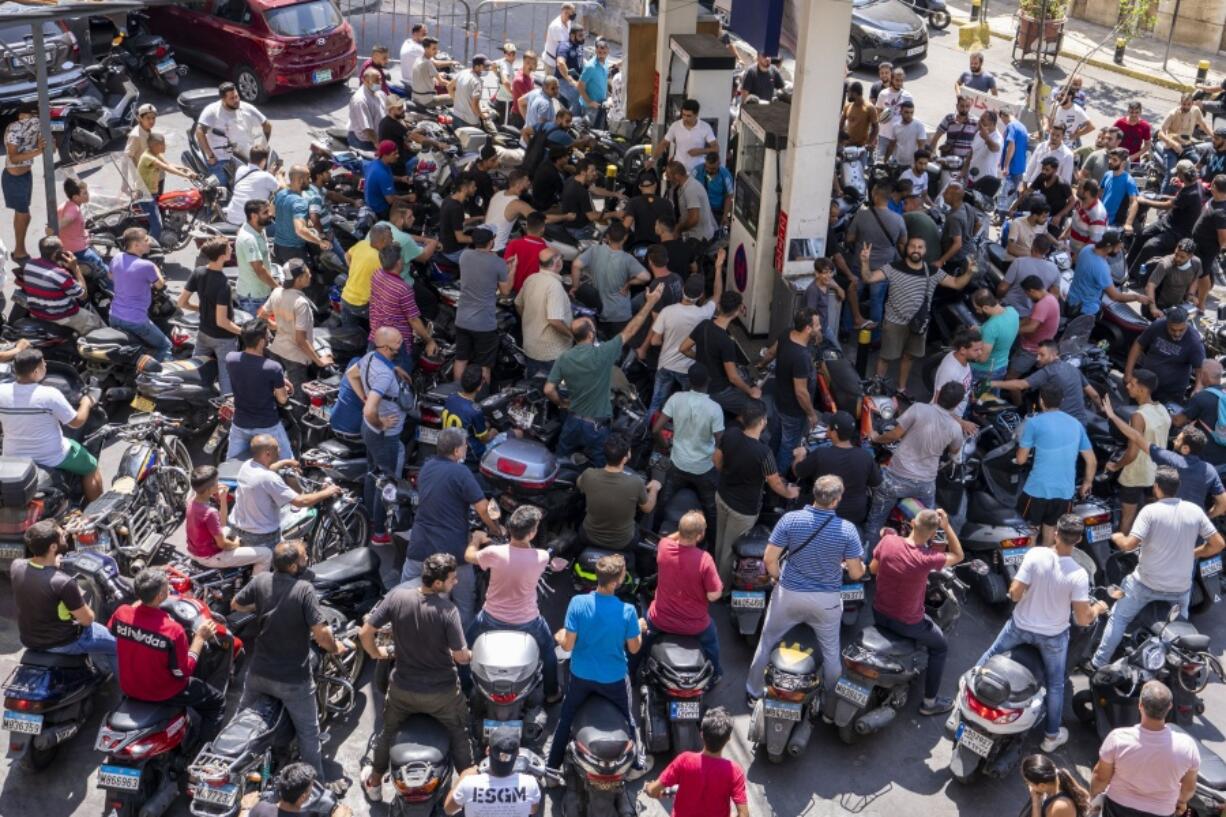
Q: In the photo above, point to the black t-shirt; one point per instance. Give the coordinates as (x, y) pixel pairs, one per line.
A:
(856, 466)
(680, 256)
(1181, 218)
(577, 201)
(44, 598)
(645, 211)
(480, 201)
(546, 186)
(450, 219)
(747, 463)
(713, 347)
(1203, 410)
(674, 290)
(1204, 233)
(394, 130)
(762, 84)
(792, 362)
(874, 91)
(253, 379)
(1214, 164)
(212, 288)
(286, 608)
(1057, 195)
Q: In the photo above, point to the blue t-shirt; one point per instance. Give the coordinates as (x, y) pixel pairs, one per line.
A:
(1115, 190)
(718, 186)
(1016, 133)
(1055, 438)
(595, 79)
(602, 625)
(460, 412)
(446, 490)
(288, 206)
(818, 566)
(379, 185)
(1091, 278)
(1199, 481)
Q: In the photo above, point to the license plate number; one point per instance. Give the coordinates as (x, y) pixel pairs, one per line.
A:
(1013, 557)
(427, 435)
(783, 710)
(118, 777)
(748, 599)
(322, 75)
(977, 742)
(684, 710)
(11, 551)
(142, 404)
(167, 66)
(911, 52)
(851, 691)
(852, 592)
(1098, 533)
(1211, 566)
(57, 125)
(490, 725)
(218, 796)
(25, 723)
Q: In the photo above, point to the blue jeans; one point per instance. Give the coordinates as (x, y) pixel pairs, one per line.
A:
(97, 642)
(580, 689)
(875, 294)
(383, 454)
(249, 305)
(221, 171)
(354, 317)
(582, 434)
(358, 144)
(1136, 597)
(538, 628)
(148, 333)
(925, 632)
(885, 496)
(666, 383)
(240, 441)
(299, 702)
(791, 431)
(708, 642)
(155, 218)
(1054, 649)
(90, 258)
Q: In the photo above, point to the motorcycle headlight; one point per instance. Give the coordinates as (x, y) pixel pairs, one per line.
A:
(1153, 656)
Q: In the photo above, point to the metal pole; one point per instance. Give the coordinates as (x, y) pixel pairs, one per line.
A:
(1170, 35)
(44, 123)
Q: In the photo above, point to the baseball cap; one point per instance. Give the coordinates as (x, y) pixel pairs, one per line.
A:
(1110, 239)
(842, 422)
(146, 109)
(509, 47)
(695, 285)
(504, 749)
(386, 148)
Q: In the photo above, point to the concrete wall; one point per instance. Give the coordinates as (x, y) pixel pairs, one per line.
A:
(607, 20)
(1201, 23)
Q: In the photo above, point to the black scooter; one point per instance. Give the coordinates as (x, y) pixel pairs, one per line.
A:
(148, 56)
(84, 125)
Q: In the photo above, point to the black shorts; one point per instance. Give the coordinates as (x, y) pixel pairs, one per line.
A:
(1134, 495)
(1043, 511)
(477, 348)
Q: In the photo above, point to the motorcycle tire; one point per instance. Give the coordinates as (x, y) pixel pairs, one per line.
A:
(176, 230)
(335, 534)
(162, 83)
(939, 20)
(176, 483)
(1083, 707)
(847, 734)
(38, 760)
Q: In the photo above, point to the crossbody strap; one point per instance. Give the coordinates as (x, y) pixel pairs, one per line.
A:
(789, 553)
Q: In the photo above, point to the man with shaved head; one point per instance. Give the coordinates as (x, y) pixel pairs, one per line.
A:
(262, 493)
(291, 229)
(367, 107)
(383, 416)
(1203, 408)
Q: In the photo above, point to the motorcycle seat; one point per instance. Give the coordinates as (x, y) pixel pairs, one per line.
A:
(442, 391)
(983, 507)
(1212, 768)
(998, 256)
(601, 727)
(422, 739)
(142, 42)
(228, 470)
(590, 556)
(38, 658)
(130, 715)
(680, 652)
(110, 337)
(225, 228)
(341, 337)
(29, 327)
(1181, 633)
(752, 545)
(797, 653)
(340, 449)
(248, 726)
(886, 642)
(348, 565)
(1099, 431)
(193, 370)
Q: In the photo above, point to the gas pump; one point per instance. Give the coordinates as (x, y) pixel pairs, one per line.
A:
(701, 68)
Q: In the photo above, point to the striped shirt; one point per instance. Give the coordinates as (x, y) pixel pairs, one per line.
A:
(51, 291)
(392, 303)
(907, 291)
(1088, 225)
(818, 566)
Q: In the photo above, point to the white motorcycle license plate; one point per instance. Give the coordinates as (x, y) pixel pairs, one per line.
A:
(322, 75)
(1099, 533)
(57, 125)
(684, 710)
(911, 52)
(489, 725)
(1210, 567)
(427, 435)
(118, 777)
(167, 67)
(977, 742)
(852, 592)
(849, 690)
(217, 796)
(1013, 556)
(783, 710)
(748, 599)
(25, 723)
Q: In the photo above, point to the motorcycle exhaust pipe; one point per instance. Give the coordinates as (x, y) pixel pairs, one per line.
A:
(800, 737)
(156, 805)
(875, 720)
(88, 138)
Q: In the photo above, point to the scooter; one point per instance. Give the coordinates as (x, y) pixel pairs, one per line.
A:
(508, 685)
(148, 56)
(675, 677)
(84, 125)
(783, 718)
(750, 582)
(598, 757)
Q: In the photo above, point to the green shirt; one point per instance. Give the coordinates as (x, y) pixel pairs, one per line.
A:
(587, 370)
(920, 225)
(1000, 331)
(251, 245)
(409, 249)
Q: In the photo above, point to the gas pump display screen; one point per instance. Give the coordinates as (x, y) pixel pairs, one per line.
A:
(748, 201)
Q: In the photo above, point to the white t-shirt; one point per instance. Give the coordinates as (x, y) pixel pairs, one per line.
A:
(253, 185)
(557, 33)
(243, 127)
(1053, 582)
(1168, 531)
(685, 139)
(31, 415)
(483, 796)
(919, 181)
(1072, 118)
(888, 102)
(985, 162)
(410, 52)
(951, 369)
(674, 323)
(261, 495)
(366, 109)
(908, 138)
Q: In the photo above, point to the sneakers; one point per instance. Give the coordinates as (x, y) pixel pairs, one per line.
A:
(640, 769)
(1052, 743)
(939, 706)
(377, 539)
(373, 793)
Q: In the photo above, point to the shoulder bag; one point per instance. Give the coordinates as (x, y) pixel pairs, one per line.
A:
(918, 324)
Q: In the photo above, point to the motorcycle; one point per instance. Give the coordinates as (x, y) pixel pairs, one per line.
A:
(148, 56)
(783, 718)
(750, 582)
(598, 757)
(508, 685)
(181, 211)
(84, 125)
(674, 678)
(114, 358)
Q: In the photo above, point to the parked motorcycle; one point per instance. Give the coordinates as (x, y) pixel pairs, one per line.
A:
(674, 678)
(85, 125)
(782, 719)
(148, 56)
(750, 582)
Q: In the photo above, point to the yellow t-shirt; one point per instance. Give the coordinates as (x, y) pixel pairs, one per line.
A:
(150, 174)
(364, 260)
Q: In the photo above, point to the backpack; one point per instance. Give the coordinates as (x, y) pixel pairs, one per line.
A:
(1219, 428)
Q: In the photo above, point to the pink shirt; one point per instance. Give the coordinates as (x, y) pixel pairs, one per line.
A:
(72, 227)
(1148, 767)
(1047, 313)
(203, 525)
(392, 303)
(686, 574)
(514, 571)
(522, 84)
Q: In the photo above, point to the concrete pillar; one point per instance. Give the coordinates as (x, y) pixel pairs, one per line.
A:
(674, 17)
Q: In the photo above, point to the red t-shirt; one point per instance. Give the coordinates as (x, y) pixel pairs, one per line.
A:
(704, 784)
(686, 575)
(154, 663)
(528, 250)
(902, 578)
(1134, 135)
(203, 525)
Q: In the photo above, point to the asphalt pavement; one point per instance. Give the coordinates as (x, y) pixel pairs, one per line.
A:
(900, 771)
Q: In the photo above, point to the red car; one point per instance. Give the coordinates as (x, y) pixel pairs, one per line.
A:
(264, 46)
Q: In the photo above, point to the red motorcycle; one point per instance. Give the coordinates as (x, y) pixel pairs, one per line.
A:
(181, 210)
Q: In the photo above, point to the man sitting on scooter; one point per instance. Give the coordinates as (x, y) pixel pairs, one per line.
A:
(155, 660)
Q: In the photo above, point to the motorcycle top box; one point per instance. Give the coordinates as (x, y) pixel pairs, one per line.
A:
(525, 463)
(18, 482)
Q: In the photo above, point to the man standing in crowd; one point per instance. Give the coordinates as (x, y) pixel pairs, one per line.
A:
(260, 388)
(698, 425)
(545, 313)
(1172, 349)
(1136, 469)
(852, 463)
(483, 278)
(706, 781)
(1056, 439)
(794, 384)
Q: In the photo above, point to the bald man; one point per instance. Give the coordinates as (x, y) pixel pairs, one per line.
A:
(367, 107)
(383, 418)
(1203, 409)
(262, 492)
(292, 230)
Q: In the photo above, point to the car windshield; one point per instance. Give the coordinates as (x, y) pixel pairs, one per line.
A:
(303, 19)
(16, 35)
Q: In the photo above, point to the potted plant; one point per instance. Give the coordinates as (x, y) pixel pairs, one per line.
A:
(1054, 13)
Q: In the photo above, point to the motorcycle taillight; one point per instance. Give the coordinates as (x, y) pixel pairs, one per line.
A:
(504, 698)
(226, 411)
(416, 794)
(161, 51)
(159, 742)
(24, 705)
(991, 713)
